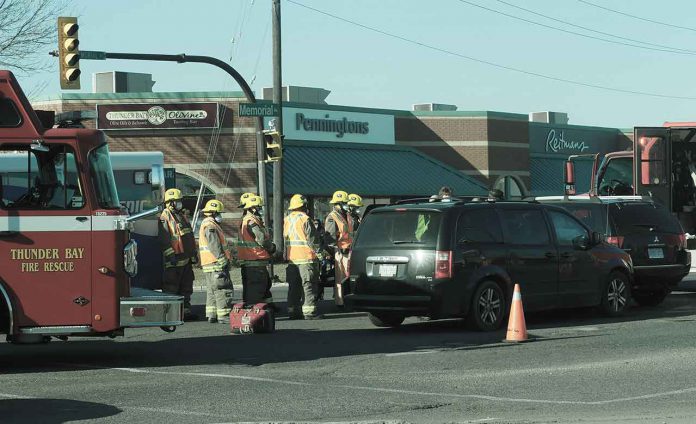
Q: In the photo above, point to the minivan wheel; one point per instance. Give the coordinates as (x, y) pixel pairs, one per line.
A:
(616, 295)
(386, 320)
(650, 298)
(487, 307)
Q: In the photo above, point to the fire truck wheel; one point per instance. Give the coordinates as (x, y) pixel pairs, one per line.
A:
(168, 329)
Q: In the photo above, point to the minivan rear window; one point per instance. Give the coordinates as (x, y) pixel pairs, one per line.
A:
(637, 218)
(594, 216)
(394, 228)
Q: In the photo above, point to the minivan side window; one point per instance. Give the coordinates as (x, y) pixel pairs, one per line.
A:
(480, 226)
(566, 228)
(525, 226)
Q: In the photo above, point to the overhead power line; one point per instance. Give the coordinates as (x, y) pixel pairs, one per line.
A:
(489, 63)
(594, 30)
(579, 34)
(599, 6)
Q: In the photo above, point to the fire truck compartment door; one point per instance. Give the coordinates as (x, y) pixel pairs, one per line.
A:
(47, 266)
(651, 161)
(147, 308)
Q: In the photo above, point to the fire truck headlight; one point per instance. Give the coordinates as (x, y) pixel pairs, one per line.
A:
(130, 263)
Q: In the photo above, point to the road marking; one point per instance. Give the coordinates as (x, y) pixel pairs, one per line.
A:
(401, 391)
(415, 352)
(9, 396)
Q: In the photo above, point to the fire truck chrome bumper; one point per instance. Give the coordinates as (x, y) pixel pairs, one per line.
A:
(147, 308)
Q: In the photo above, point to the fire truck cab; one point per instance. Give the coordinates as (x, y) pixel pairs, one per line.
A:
(661, 166)
(66, 257)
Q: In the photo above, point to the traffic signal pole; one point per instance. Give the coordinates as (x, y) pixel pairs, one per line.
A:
(278, 195)
(183, 58)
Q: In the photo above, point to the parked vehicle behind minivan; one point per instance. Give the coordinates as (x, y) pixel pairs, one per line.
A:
(462, 258)
(645, 230)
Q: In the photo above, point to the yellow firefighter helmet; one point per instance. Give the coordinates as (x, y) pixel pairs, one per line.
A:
(339, 196)
(213, 205)
(355, 200)
(297, 201)
(253, 202)
(244, 198)
(172, 194)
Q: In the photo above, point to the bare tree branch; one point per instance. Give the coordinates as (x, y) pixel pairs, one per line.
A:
(27, 32)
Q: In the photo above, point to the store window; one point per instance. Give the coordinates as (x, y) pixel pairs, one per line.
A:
(512, 187)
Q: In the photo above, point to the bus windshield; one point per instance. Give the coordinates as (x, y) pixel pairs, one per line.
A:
(103, 178)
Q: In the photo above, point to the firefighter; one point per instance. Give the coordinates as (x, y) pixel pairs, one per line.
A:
(179, 247)
(338, 230)
(355, 202)
(254, 253)
(302, 252)
(215, 260)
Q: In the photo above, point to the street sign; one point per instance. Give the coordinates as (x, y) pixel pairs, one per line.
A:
(92, 55)
(258, 109)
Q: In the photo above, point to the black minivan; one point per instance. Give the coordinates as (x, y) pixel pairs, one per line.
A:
(645, 230)
(462, 259)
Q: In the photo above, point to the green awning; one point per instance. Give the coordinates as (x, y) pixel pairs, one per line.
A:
(320, 168)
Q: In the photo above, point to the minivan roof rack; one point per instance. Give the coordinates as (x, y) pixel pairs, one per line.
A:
(462, 199)
(596, 199)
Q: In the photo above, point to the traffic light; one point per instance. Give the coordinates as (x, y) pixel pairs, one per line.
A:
(69, 53)
(273, 142)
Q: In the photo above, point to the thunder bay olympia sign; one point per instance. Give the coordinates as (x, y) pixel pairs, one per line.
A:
(157, 116)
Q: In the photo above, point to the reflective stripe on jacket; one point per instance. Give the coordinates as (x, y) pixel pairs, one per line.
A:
(249, 250)
(215, 256)
(345, 229)
(297, 248)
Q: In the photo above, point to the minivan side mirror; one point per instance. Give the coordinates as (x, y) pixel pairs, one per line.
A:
(581, 242)
(596, 238)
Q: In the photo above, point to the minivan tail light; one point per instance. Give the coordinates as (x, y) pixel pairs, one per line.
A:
(616, 241)
(443, 264)
(682, 241)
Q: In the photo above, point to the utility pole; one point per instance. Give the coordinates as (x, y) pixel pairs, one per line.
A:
(278, 195)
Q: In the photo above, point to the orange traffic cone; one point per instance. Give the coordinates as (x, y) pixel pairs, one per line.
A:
(517, 328)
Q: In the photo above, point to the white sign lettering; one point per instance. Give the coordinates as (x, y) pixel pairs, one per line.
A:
(557, 142)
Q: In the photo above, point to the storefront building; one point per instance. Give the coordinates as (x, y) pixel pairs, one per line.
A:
(380, 154)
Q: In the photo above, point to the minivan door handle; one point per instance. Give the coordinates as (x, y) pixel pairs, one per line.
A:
(550, 255)
(81, 218)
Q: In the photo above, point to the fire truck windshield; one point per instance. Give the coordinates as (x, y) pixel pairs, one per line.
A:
(103, 178)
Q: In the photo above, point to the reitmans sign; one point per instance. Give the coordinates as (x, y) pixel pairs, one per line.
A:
(157, 116)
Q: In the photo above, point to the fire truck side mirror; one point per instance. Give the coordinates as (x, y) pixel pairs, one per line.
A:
(569, 178)
(157, 181)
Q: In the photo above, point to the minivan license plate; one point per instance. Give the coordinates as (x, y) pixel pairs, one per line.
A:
(386, 270)
(656, 253)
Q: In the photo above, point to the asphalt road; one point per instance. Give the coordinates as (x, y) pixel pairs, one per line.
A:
(640, 368)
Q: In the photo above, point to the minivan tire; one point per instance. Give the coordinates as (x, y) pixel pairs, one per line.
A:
(616, 294)
(651, 298)
(386, 320)
(488, 307)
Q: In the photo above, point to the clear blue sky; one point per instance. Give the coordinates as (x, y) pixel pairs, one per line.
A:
(363, 68)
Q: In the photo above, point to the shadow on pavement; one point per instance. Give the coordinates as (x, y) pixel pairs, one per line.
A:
(289, 345)
(52, 411)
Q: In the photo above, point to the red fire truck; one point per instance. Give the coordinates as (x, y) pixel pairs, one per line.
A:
(65, 251)
(661, 165)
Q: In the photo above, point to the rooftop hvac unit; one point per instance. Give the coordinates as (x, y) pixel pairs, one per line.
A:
(560, 118)
(433, 107)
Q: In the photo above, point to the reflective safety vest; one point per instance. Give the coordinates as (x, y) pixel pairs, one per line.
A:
(181, 240)
(209, 261)
(249, 251)
(344, 238)
(297, 249)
